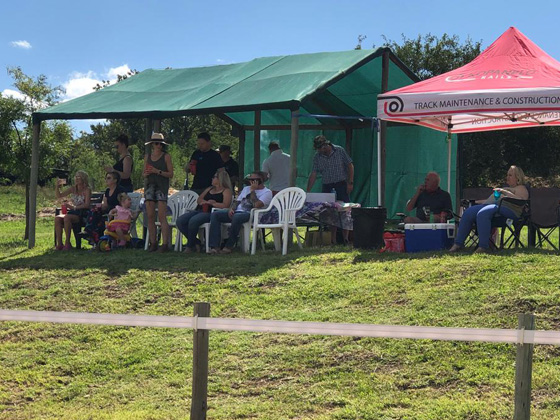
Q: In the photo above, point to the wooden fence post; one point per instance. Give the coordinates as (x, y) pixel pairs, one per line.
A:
(523, 371)
(199, 403)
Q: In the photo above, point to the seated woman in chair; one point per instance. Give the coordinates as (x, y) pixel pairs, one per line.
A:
(218, 195)
(73, 210)
(483, 213)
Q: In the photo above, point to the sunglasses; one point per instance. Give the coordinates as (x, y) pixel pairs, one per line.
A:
(156, 143)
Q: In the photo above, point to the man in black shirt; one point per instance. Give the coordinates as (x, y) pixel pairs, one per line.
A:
(429, 198)
(204, 163)
(230, 165)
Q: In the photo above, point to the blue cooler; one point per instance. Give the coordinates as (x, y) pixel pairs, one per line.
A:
(428, 236)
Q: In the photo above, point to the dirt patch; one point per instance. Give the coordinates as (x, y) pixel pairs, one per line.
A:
(44, 212)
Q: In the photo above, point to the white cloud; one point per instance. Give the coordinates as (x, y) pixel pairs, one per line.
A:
(116, 71)
(80, 84)
(21, 44)
(13, 93)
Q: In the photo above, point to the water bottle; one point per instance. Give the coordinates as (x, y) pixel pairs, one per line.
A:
(497, 195)
(333, 191)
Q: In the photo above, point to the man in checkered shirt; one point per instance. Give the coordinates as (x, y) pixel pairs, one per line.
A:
(335, 167)
(337, 171)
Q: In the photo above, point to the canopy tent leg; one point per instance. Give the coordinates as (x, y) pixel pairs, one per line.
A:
(448, 161)
(33, 178)
(257, 142)
(148, 129)
(241, 157)
(382, 143)
(157, 126)
(294, 147)
(379, 198)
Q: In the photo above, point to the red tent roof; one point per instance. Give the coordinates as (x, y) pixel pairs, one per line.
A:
(513, 83)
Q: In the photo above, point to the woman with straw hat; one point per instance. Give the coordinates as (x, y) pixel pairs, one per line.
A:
(158, 169)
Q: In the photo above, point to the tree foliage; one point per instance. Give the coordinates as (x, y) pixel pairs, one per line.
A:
(428, 55)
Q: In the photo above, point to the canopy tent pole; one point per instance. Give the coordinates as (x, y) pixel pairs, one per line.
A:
(241, 156)
(157, 126)
(449, 160)
(257, 142)
(148, 129)
(294, 147)
(379, 198)
(33, 178)
(349, 140)
(382, 143)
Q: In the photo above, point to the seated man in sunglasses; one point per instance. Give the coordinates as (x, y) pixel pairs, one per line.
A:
(255, 195)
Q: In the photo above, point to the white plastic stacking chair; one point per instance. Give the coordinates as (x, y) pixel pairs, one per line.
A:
(179, 203)
(244, 233)
(135, 205)
(287, 202)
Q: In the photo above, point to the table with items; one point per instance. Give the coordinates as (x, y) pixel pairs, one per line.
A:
(319, 213)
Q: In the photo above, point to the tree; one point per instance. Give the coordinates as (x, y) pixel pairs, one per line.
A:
(16, 130)
(429, 56)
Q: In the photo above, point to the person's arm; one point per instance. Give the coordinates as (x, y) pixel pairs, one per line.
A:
(412, 202)
(104, 204)
(60, 194)
(519, 192)
(235, 205)
(311, 180)
(169, 165)
(266, 169)
(127, 167)
(201, 199)
(350, 182)
(145, 171)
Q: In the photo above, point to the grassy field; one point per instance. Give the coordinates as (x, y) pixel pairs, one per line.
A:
(88, 372)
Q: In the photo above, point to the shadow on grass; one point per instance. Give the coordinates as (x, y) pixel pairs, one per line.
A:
(370, 256)
(121, 262)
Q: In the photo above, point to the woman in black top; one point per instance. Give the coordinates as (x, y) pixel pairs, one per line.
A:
(218, 195)
(110, 199)
(124, 165)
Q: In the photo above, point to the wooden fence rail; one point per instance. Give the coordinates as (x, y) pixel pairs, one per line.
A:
(525, 337)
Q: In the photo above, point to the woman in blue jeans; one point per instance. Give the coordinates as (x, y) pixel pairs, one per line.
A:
(483, 213)
(218, 195)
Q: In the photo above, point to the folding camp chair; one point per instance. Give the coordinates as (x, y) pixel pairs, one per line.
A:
(545, 215)
(470, 197)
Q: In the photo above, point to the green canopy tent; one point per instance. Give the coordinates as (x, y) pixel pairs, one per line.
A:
(286, 98)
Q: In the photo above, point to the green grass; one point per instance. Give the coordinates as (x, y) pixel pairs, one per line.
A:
(52, 371)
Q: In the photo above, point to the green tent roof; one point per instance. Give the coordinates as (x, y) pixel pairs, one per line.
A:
(335, 83)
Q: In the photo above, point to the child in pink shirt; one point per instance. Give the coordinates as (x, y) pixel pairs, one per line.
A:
(122, 216)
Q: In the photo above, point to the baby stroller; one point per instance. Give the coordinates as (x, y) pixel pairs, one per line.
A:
(94, 226)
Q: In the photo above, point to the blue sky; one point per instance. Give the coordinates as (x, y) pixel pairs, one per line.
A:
(77, 43)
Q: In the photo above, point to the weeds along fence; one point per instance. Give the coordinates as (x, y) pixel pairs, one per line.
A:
(525, 337)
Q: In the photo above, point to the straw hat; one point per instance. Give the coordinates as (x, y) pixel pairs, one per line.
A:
(156, 137)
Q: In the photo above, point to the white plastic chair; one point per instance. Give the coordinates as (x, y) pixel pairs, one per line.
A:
(179, 203)
(287, 202)
(244, 234)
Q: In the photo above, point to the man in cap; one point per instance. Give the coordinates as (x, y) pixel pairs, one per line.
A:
(336, 168)
(277, 166)
(337, 171)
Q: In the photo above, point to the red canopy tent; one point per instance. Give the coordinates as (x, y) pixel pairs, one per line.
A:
(511, 84)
